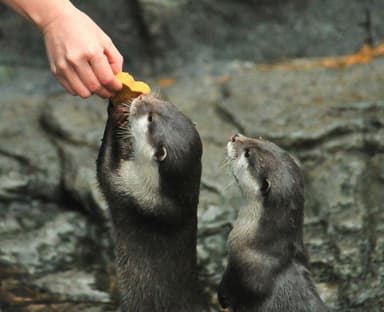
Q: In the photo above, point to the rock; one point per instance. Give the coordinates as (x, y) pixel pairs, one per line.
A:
(337, 130)
(47, 258)
(162, 35)
(330, 120)
(5, 74)
(328, 293)
(73, 285)
(77, 127)
(29, 165)
(266, 103)
(157, 15)
(260, 31)
(76, 121)
(79, 179)
(44, 236)
(23, 44)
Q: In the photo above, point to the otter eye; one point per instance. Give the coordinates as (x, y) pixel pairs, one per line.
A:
(161, 154)
(265, 186)
(150, 118)
(246, 152)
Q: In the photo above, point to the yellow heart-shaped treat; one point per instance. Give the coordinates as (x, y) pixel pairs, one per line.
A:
(131, 88)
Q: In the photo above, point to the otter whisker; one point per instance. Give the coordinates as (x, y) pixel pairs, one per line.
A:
(156, 93)
(127, 103)
(125, 127)
(229, 185)
(225, 163)
(123, 134)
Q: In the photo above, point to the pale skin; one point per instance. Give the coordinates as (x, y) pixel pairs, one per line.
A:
(81, 56)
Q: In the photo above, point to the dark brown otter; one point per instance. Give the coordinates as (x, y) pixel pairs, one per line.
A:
(267, 266)
(149, 169)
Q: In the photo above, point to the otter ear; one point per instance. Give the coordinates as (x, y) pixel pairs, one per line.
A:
(161, 154)
(265, 186)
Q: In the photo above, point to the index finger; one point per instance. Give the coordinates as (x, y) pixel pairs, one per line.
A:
(114, 57)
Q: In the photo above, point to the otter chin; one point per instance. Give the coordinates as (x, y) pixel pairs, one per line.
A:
(149, 170)
(267, 262)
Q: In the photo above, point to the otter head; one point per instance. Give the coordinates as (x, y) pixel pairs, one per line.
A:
(267, 175)
(156, 153)
(163, 136)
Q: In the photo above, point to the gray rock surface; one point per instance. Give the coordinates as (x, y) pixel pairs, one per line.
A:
(28, 160)
(331, 120)
(55, 251)
(158, 35)
(76, 128)
(47, 259)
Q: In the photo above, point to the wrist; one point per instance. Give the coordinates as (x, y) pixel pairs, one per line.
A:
(57, 8)
(41, 12)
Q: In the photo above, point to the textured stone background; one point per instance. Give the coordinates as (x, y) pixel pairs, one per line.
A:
(55, 251)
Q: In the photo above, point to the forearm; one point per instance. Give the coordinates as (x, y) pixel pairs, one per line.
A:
(81, 56)
(40, 12)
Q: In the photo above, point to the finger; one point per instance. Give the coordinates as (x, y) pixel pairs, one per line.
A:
(104, 73)
(66, 85)
(59, 76)
(75, 83)
(87, 75)
(115, 59)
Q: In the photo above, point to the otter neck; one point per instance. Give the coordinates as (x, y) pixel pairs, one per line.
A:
(246, 225)
(268, 229)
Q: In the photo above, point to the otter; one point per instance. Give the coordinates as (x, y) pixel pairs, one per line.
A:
(267, 263)
(149, 170)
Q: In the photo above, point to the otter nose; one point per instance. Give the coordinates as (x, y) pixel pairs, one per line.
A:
(234, 137)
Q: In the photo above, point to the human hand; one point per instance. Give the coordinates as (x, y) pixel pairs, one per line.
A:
(81, 56)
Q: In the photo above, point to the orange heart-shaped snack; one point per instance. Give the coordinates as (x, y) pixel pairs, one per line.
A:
(131, 88)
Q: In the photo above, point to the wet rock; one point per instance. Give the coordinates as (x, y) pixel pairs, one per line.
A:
(47, 261)
(76, 121)
(157, 16)
(306, 107)
(86, 307)
(29, 164)
(40, 237)
(77, 126)
(23, 44)
(331, 120)
(331, 125)
(73, 285)
(328, 293)
(5, 74)
(159, 35)
(260, 31)
(20, 42)
(79, 179)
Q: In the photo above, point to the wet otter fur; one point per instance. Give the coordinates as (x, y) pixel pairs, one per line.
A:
(149, 170)
(267, 263)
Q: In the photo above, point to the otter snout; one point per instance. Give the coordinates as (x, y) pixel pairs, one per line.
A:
(243, 139)
(143, 105)
(235, 145)
(234, 137)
